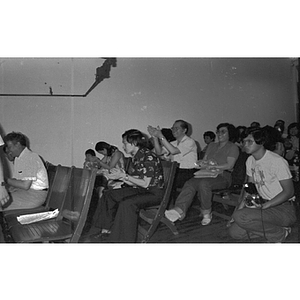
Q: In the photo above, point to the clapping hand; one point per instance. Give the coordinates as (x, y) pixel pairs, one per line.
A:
(156, 132)
(116, 174)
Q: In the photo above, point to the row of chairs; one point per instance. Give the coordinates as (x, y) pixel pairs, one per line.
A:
(70, 192)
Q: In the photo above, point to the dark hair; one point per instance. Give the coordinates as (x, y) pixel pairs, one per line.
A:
(137, 138)
(210, 134)
(255, 124)
(167, 132)
(90, 151)
(183, 125)
(16, 137)
(109, 148)
(292, 125)
(232, 132)
(267, 136)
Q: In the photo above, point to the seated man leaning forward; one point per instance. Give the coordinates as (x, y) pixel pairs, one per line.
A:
(29, 185)
(119, 209)
(219, 157)
(273, 215)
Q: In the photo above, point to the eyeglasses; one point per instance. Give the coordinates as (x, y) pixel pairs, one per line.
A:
(221, 131)
(175, 128)
(249, 142)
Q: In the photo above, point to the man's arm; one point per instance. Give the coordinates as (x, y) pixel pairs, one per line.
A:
(20, 184)
(4, 197)
(286, 193)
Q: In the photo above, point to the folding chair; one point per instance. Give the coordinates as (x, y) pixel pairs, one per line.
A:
(155, 215)
(67, 227)
(55, 197)
(231, 196)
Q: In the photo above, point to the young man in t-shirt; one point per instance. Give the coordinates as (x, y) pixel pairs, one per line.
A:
(272, 178)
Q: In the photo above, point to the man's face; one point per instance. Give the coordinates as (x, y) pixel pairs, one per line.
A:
(250, 145)
(14, 149)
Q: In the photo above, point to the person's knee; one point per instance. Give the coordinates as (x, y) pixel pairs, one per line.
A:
(236, 232)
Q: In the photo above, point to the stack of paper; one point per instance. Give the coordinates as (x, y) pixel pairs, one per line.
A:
(31, 218)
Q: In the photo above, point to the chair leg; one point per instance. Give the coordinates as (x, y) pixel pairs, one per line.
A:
(170, 225)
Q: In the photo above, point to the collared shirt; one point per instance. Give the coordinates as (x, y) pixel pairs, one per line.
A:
(146, 163)
(188, 153)
(29, 166)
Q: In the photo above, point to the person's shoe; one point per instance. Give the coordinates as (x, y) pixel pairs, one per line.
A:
(206, 219)
(102, 234)
(288, 231)
(172, 215)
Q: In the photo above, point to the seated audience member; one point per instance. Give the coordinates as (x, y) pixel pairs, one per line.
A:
(272, 178)
(183, 150)
(91, 160)
(4, 197)
(280, 126)
(208, 137)
(119, 209)
(29, 185)
(255, 124)
(293, 140)
(220, 156)
(240, 131)
(113, 158)
(275, 141)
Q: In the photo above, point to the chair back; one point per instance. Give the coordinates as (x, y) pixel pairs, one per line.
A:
(51, 171)
(169, 170)
(59, 187)
(78, 200)
(239, 171)
(156, 215)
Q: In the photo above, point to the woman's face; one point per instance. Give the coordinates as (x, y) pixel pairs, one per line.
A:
(222, 134)
(128, 148)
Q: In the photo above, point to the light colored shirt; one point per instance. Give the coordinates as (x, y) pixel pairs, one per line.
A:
(188, 153)
(29, 166)
(267, 172)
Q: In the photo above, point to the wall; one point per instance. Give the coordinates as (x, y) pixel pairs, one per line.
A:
(140, 91)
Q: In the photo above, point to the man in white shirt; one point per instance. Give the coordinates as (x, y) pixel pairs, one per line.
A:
(29, 185)
(272, 178)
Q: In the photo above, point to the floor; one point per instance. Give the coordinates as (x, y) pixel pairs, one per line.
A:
(191, 231)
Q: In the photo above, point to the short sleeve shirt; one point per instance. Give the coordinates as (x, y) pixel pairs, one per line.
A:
(29, 166)
(188, 153)
(146, 163)
(221, 155)
(267, 173)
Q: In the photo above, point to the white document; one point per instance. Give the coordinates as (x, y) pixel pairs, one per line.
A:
(31, 218)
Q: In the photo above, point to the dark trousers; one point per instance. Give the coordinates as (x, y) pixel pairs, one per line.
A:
(269, 222)
(119, 211)
(181, 176)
